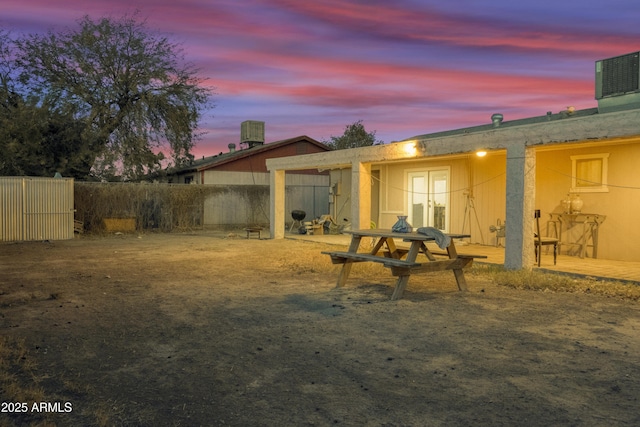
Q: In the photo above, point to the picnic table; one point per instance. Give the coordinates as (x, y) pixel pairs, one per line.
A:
(402, 262)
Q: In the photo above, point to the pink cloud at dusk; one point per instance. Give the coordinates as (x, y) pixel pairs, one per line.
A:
(431, 25)
(405, 68)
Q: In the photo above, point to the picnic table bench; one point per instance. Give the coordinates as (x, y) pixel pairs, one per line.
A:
(393, 257)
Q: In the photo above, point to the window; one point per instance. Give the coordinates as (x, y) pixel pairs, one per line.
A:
(188, 179)
(589, 173)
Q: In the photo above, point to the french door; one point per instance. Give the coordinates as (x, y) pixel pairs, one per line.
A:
(428, 199)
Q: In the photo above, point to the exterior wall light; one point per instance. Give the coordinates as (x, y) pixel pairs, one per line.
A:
(410, 148)
(481, 153)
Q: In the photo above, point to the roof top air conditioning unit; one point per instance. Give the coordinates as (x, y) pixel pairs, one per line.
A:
(252, 133)
(618, 82)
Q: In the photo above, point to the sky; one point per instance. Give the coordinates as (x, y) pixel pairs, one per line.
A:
(402, 67)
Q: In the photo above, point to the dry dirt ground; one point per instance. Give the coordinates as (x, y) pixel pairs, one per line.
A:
(201, 329)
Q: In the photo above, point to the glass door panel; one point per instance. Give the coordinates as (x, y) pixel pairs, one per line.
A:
(418, 201)
(429, 199)
(439, 188)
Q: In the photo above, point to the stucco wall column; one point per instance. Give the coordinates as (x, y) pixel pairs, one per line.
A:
(276, 203)
(520, 192)
(360, 195)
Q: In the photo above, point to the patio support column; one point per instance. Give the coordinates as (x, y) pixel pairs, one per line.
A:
(520, 192)
(276, 203)
(360, 195)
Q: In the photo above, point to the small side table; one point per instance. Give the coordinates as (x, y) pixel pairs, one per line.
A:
(255, 230)
(590, 224)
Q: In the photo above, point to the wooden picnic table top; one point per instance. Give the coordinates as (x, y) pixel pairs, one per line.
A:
(381, 232)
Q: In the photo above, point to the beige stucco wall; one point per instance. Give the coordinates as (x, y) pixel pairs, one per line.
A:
(489, 196)
(394, 189)
(339, 203)
(485, 177)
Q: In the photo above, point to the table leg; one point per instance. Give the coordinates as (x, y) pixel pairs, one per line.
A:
(457, 272)
(594, 238)
(355, 243)
(393, 250)
(427, 252)
(401, 284)
(560, 235)
(346, 267)
(583, 240)
(460, 279)
(344, 273)
(378, 245)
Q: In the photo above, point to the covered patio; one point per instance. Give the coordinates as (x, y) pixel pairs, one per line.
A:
(626, 271)
(517, 177)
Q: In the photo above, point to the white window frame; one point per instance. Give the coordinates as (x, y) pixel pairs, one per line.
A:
(597, 187)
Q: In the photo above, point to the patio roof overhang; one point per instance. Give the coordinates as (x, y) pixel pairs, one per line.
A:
(581, 129)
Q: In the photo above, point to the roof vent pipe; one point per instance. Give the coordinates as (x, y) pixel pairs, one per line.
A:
(497, 119)
(232, 147)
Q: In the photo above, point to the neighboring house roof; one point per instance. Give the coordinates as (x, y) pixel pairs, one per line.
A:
(262, 150)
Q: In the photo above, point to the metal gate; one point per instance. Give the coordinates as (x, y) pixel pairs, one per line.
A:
(36, 208)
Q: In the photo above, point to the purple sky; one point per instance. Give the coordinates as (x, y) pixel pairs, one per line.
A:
(404, 68)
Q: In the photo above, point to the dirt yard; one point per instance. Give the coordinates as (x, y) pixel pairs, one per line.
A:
(201, 329)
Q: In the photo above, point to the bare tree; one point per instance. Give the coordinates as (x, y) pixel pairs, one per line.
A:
(131, 89)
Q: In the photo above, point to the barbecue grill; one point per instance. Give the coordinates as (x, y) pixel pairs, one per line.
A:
(297, 216)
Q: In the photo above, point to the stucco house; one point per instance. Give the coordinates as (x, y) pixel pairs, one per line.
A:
(243, 178)
(439, 180)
